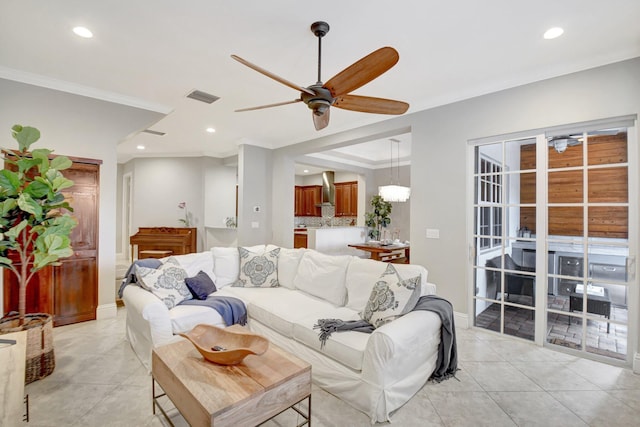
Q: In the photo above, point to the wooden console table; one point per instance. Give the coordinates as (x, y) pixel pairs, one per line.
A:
(386, 253)
(158, 242)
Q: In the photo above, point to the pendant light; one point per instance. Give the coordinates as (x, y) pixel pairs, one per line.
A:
(394, 192)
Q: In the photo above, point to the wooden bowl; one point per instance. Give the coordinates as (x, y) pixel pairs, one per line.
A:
(235, 343)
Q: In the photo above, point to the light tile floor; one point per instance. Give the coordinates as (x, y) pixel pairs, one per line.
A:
(98, 381)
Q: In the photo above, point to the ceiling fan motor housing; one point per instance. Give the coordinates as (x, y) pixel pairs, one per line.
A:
(320, 102)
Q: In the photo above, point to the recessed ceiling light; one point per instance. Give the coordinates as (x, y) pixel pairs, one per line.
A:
(211, 130)
(306, 171)
(83, 32)
(552, 33)
(140, 147)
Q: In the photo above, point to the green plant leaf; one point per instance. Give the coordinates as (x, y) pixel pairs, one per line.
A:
(15, 231)
(26, 163)
(28, 204)
(41, 157)
(60, 183)
(38, 189)
(25, 135)
(61, 163)
(7, 205)
(9, 181)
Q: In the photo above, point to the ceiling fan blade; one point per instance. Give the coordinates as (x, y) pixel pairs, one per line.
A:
(322, 121)
(363, 71)
(277, 104)
(367, 104)
(273, 76)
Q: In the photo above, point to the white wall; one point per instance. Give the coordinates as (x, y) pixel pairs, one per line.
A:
(82, 127)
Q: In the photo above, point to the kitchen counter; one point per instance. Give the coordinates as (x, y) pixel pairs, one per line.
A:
(335, 240)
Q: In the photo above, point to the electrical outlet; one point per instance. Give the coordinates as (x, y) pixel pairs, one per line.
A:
(255, 224)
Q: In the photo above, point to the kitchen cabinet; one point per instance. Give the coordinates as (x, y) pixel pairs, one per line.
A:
(307, 200)
(299, 240)
(347, 198)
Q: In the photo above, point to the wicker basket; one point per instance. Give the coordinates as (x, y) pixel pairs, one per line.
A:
(40, 358)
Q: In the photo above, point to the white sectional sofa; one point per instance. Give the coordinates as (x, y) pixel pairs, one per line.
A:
(375, 373)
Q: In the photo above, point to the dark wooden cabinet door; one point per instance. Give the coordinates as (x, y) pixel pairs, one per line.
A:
(347, 198)
(76, 280)
(75, 295)
(312, 197)
(299, 201)
(69, 291)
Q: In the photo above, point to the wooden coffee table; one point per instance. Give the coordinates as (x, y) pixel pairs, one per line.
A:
(249, 393)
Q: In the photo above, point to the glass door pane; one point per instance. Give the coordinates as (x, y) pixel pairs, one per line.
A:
(588, 231)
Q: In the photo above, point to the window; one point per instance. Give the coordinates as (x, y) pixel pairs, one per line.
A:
(490, 192)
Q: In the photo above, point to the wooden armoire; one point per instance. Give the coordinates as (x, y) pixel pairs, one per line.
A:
(68, 291)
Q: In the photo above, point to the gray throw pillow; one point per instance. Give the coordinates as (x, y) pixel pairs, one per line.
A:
(200, 285)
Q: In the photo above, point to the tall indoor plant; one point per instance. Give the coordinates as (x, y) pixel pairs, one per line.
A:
(379, 217)
(34, 226)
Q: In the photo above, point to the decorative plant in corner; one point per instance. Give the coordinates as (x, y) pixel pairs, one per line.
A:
(379, 218)
(35, 224)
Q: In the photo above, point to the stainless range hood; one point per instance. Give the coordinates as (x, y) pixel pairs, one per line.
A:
(328, 189)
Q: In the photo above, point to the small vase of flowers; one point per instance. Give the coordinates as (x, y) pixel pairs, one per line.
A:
(185, 220)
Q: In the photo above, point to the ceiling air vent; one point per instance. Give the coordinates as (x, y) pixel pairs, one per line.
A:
(198, 95)
(154, 132)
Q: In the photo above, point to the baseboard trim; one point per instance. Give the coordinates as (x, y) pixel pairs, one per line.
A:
(461, 319)
(636, 363)
(106, 311)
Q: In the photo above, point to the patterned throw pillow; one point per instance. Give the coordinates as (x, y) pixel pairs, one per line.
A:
(391, 297)
(258, 270)
(166, 282)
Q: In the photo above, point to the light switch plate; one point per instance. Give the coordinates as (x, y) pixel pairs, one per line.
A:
(433, 233)
(255, 224)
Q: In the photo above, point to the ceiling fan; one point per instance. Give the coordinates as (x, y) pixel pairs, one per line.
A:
(561, 142)
(319, 97)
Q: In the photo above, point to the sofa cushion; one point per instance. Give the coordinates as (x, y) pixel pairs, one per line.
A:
(391, 297)
(346, 347)
(323, 276)
(288, 261)
(196, 262)
(226, 263)
(362, 274)
(166, 282)
(280, 308)
(185, 317)
(200, 285)
(258, 270)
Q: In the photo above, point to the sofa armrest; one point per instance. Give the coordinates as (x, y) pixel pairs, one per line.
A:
(404, 348)
(147, 315)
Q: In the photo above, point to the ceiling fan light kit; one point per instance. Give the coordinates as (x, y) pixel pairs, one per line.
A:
(320, 97)
(560, 143)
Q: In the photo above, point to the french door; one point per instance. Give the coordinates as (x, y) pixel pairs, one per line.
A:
(553, 239)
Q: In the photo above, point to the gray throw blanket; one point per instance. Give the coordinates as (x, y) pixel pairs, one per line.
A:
(231, 309)
(447, 362)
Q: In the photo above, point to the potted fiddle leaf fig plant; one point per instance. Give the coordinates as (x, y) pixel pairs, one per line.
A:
(379, 217)
(35, 229)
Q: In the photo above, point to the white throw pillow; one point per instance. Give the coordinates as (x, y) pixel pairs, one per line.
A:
(362, 274)
(288, 261)
(166, 282)
(323, 276)
(197, 262)
(226, 265)
(391, 297)
(258, 270)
